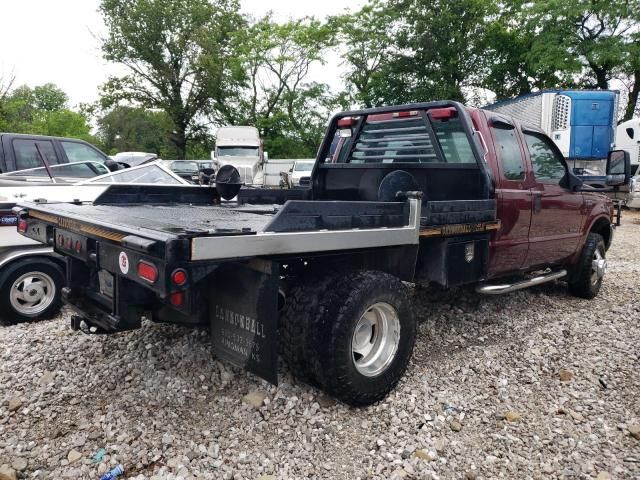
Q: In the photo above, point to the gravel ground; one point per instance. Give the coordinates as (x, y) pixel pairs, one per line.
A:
(536, 384)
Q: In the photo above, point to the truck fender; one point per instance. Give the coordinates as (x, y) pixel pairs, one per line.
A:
(14, 255)
(41, 254)
(601, 225)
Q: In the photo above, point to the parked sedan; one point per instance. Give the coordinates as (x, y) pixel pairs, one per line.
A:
(187, 169)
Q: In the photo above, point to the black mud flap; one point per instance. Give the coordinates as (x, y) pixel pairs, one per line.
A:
(243, 314)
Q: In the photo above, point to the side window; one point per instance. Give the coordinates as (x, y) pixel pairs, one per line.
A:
(79, 152)
(547, 164)
(27, 155)
(79, 170)
(509, 151)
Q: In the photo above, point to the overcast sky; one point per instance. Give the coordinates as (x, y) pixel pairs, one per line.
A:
(57, 41)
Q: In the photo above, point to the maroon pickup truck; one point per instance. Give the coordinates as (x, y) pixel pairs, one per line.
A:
(432, 193)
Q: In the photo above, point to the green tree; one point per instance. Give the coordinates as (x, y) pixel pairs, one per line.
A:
(41, 110)
(416, 50)
(589, 39)
(178, 56)
(49, 98)
(277, 97)
(631, 78)
(508, 41)
(127, 129)
(369, 44)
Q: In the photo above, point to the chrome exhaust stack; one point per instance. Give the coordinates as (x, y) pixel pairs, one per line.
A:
(508, 288)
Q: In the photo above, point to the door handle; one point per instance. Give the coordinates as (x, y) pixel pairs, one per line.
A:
(537, 202)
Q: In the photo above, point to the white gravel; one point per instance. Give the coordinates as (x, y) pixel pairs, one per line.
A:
(484, 397)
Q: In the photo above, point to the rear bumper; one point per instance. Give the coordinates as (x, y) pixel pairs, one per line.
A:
(95, 314)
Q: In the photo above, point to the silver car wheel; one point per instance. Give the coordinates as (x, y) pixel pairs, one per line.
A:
(598, 267)
(32, 293)
(375, 339)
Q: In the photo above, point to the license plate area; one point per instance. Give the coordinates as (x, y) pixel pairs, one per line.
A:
(106, 283)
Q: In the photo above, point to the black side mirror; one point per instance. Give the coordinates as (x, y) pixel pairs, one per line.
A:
(571, 182)
(618, 168)
(112, 165)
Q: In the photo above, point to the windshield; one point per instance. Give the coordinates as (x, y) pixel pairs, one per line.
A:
(303, 167)
(184, 166)
(634, 170)
(238, 152)
(148, 173)
(87, 169)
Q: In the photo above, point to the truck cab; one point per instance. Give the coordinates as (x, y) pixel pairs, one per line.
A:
(242, 148)
(543, 216)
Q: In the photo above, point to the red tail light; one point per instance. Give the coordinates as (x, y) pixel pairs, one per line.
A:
(179, 277)
(346, 122)
(177, 299)
(147, 271)
(443, 113)
(22, 225)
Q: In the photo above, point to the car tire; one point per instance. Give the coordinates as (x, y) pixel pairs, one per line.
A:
(18, 303)
(587, 276)
(301, 309)
(362, 336)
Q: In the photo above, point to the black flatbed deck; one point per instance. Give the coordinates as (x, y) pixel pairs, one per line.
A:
(175, 220)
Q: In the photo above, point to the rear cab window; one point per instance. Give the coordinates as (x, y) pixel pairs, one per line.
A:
(412, 137)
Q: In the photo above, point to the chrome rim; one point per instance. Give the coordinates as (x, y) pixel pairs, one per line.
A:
(375, 339)
(32, 293)
(598, 267)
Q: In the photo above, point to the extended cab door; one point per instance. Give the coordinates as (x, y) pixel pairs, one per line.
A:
(513, 182)
(557, 212)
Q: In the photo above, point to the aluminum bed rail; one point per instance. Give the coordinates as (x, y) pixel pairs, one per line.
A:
(267, 243)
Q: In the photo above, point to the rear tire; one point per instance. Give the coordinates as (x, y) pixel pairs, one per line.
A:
(30, 289)
(301, 309)
(363, 337)
(586, 278)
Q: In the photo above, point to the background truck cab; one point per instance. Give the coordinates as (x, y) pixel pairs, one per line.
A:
(242, 148)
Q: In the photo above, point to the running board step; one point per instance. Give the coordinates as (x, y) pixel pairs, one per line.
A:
(507, 288)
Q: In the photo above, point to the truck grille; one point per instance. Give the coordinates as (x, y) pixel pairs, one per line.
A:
(246, 175)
